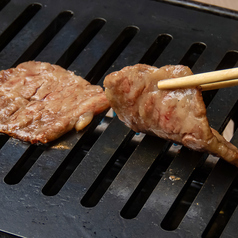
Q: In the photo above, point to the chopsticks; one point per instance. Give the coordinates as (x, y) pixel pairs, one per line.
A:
(207, 81)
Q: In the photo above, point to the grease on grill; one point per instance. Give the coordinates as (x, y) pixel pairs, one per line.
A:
(61, 146)
(174, 178)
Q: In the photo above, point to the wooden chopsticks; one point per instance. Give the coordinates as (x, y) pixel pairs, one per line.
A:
(207, 81)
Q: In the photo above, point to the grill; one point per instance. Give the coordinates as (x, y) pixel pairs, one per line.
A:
(107, 181)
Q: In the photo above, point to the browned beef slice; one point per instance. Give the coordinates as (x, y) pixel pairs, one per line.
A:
(177, 115)
(40, 101)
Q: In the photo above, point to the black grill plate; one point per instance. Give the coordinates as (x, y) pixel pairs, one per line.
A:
(106, 181)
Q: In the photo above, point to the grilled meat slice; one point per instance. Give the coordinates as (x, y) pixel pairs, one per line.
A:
(177, 115)
(40, 101)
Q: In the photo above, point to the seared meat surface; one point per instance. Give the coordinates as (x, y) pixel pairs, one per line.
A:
(40, 101)
(177, 115)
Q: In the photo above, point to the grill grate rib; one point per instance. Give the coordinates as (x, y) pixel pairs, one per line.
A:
(18, 24)
(111, 54)
(228, 61)
(3, 4)
(156, 49)
(158, 150)
(71, 161)
(23, 165)
(193, 54)
(45, 37)
(108, 174)
(218, 177)
(80, 43)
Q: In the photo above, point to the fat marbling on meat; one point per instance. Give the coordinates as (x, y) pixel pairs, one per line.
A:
(177, 115)
(40, 101)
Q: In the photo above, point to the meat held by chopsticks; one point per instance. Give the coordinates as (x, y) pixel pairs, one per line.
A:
(40, 101)
(177, 115)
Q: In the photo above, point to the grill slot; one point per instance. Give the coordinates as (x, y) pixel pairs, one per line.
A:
(156, 49)
(65, 156)
(152, 177)
(72, 160)
(222, 215)
(111, 54)
(108, 174)
(97, 159)
(172, 193)
(231, 228)
(80, 43)
(193, 54)
(3, 4)
(225, 110)
(23, 165)
(14, 150)
(229, 61)
(46, 36)
(18, 24)
(180, 207)
(3, 139)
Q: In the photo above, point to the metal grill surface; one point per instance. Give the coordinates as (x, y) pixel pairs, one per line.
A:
(107, 181)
